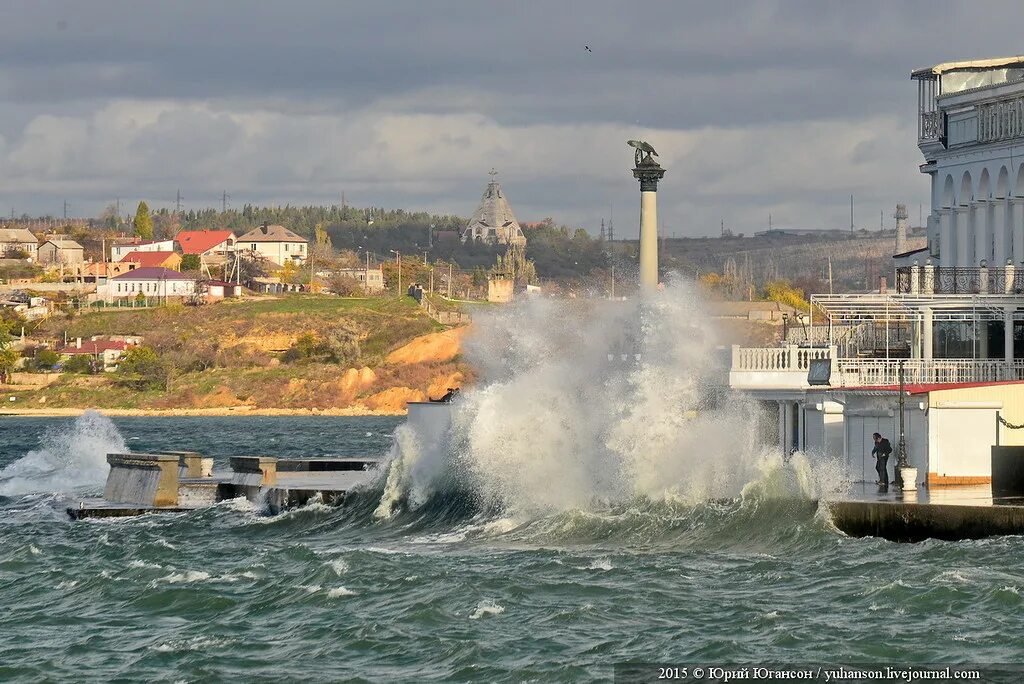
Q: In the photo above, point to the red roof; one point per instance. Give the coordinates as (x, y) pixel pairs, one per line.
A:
(200, 241)
(94, 347)
(150, 259)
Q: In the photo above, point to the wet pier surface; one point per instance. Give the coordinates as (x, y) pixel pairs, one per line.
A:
(951, 513)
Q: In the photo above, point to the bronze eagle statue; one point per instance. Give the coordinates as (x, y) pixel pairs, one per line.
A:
(641, 148)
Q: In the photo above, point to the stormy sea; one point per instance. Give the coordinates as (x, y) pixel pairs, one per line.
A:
(596, 502)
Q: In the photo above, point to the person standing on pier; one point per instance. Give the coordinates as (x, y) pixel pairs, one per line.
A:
(881, 453)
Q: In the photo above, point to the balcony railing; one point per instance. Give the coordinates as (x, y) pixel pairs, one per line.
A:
(786, 368)
(788, 358)
(873, 372)
(959, 280)
(933, 126)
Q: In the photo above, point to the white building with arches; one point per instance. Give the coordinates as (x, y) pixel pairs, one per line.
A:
(971, 132)
(953, 328)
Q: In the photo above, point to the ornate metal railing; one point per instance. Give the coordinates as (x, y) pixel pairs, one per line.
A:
(959, 280)
(932, 126)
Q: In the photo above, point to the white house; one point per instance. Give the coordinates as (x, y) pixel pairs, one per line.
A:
(119, 250)
(151, 282)
(14, 240)
(953, 326)
(276, 243)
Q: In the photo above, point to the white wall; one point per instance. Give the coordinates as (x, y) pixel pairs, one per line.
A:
(962, 437)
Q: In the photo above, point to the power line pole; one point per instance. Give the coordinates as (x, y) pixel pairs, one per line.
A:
(224, 202)
(177, 202)
(611, 223)
(65, 210)
(851, 214)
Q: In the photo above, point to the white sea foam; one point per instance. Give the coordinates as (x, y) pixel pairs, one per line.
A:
(194, 644)
(67, 584)
(186, 577)
(310, 588)
(338, 592)
(144, 564)
(485, 608)
(339, 566)
(559, 421)
(600, 564)
(34, 550)
(68, 458)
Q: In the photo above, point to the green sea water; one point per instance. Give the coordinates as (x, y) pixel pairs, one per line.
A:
(449, 591)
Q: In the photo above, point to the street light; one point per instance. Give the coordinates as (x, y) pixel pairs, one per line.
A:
(398, 258)
(901, 448)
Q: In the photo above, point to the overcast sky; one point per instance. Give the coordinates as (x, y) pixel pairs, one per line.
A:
(781, 107)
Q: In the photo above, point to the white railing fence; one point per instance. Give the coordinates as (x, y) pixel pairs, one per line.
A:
(870, 372)
(862, 372)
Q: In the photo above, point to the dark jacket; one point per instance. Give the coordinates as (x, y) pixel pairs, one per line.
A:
(883, 448)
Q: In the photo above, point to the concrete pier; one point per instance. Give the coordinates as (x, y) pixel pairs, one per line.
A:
(949, 513)
(181, 481)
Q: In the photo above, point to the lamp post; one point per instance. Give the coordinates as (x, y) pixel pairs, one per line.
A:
(901, 447)
(398, 258)
(785, 327)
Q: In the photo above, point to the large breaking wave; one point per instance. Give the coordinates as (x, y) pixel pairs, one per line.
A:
(587, 405)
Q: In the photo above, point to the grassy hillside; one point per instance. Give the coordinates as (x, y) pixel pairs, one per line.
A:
(250, 352)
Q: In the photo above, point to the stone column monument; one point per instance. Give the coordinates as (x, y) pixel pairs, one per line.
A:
(648, 172)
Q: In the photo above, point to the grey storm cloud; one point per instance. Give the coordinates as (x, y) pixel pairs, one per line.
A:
(781, 107)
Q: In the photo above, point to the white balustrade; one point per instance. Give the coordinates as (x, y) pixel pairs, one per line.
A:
(786, 367)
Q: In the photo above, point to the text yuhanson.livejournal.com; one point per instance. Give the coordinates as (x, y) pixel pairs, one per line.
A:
(649, 672)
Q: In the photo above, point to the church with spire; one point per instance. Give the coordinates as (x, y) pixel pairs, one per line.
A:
(493, 221)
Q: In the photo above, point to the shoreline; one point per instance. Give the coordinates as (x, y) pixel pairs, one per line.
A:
(182, 412)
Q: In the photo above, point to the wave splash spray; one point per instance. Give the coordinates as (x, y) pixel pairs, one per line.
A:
(69, 458)
(585, 404)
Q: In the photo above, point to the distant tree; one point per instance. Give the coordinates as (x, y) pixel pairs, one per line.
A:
(79, 363)
(46, 359)
(109, 218)
(141, 368)
(143, 222)
(166, 224)
(344, 285)
(8, 355)
(191, 262)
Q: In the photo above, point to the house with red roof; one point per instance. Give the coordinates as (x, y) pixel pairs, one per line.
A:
(206, 243)
(170, 260)
(106, 352)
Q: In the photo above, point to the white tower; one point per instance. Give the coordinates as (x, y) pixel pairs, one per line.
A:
(901, 228)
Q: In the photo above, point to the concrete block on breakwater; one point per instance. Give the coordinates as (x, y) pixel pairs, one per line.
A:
(184, 480)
